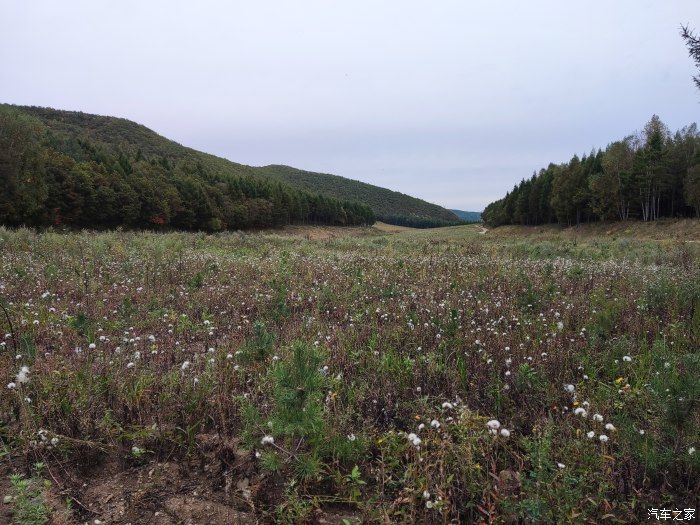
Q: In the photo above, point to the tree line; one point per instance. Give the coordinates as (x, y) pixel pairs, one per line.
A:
(64, 179)
(644, 176)
(415, 221)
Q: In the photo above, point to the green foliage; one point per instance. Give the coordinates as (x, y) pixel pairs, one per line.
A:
(88, 171)
(647, 177)
(29, 507)
(388, 206)
(260, 346)
(62, 168)
(298, 385)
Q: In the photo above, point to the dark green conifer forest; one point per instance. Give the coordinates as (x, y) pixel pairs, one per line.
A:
(60, 178)
(647, 176)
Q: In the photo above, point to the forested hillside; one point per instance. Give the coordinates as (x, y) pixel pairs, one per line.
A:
(389, 206)
(647, 176)
(77, 169)
(468, 216)
(71, 169)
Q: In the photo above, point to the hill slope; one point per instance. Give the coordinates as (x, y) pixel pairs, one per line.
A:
(121, 136)
(470, 216)
(386, 204)
(70, 169)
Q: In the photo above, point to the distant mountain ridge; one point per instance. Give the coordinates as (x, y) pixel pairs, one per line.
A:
(469, 216)
(385, 203)
(123, 137)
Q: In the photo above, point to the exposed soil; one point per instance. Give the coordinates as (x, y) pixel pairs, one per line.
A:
(218, 490)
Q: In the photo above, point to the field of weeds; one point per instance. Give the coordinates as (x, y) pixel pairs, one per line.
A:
(437, 376)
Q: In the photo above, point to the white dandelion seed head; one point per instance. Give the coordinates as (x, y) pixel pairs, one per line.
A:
(267, 440)
(414, 439)
(493, 425)
(22, 375)
(603, 438)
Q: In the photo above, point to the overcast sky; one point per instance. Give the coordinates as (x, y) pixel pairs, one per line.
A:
(450, 101)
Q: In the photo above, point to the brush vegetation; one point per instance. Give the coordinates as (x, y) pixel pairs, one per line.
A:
(421, 377)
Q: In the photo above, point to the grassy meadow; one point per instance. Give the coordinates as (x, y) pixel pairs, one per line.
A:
(434, 376)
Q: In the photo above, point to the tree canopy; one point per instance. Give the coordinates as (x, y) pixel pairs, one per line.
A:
(647, 176)
(62, 178)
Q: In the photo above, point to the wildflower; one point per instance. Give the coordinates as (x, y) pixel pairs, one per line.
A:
(505, 432)
(560, 326)
(581, 412)
(570, 388)
(426, 494)
(641, 432)
(92, 346)
(493, 425)
(561, 465)
(447, 404)
(185, 365)
(136, 451)
(11, 385)
(603, 438)
(610, 427)
(229, 356)
(351, 437)
(598, 418)
(152, 338)
(627, 359)
(130, 364)
(691, 450)
(414, 439)
(23, 375)
(421, 426)
(267, 440)
(435, 423)
(54, 441)
(590, 434)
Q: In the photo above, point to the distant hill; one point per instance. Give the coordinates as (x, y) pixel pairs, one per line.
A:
(469, 216)
(135, 143)
(389, 206)
(68, 169)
